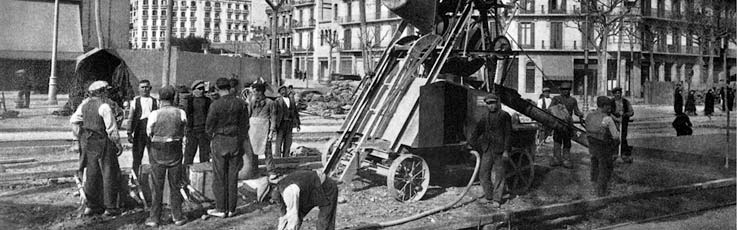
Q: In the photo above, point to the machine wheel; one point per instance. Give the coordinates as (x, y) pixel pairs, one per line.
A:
(520, 171)
(409, 178)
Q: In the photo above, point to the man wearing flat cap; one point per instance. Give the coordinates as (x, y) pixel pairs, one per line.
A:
(165, 128)
(286, 118)
(197, 107)
(25, 84)
(491, 138)
(563, 143)
(94, 124)
(602, 136)
(621, 113)
(544, 103)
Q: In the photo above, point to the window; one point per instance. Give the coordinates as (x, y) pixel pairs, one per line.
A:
(162, 33)
(530, 77)
(183, 14)
(557, 6)
(191, 24)
(145, 13)
(207, 14)
(153, 12)
(184, 3)
(163, 12)
(181, 24)
(526, 35)
(145, 34)
(207, 3)
(556, 35)
(145, 2)
(527, 6)
(207, 25)
(193, 3)
(191, 14)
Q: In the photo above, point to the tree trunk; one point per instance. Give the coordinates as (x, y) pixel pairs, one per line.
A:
(652, 65)
(275, 79)
(601, 83)
(364, 37)
(710, 65)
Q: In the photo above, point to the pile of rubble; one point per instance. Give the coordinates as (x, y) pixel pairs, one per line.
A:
(337, 100)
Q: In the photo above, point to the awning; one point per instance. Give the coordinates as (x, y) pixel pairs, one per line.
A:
(556, 68)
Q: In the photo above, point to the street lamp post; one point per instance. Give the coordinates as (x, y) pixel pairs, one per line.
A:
(52, 78)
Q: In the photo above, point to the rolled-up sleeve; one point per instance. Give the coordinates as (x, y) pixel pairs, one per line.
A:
(111, 126)
(290, 221)
(76, 117)
(611, 126)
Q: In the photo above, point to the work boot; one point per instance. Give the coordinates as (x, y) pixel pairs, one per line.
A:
(91, 212)
(180, 222)
(230, 214)
(111, 212)
(216, 213)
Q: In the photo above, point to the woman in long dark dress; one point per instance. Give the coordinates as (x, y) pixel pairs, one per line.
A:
(677, 100)
(709, 103)
(691, 103)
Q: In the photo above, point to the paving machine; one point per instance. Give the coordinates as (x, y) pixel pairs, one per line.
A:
(411, 119)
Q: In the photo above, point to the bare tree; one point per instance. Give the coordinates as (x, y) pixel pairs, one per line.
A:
(275, 78)
(598, 20)
(368, 42)
(712, 24)
(331, 38)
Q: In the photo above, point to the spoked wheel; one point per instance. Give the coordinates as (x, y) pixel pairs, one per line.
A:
(520, 172)
(409, 178)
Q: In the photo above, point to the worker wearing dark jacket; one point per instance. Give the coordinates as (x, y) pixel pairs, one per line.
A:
(197, 108)
(286, 118)
(165, 127)
(227, 125)
(602, 136)
(491, 138)
(140, 109)
(622, 111)
(95, 125)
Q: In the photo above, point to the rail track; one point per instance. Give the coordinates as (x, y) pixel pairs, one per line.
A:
(621, 210)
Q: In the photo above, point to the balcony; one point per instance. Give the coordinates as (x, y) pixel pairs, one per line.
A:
(144, 17)
(230, 10)
(146, 7)
(229, 20)
(208, 8)
(303, 2)
(207, 30)
(193, 18)
(208, 19)
(217, 20)
(145, 27)
(218, 9)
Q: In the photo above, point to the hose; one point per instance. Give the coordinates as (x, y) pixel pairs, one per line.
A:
(432, 211)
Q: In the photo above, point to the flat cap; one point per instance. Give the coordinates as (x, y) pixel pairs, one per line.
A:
(491, 97)
(603, 101)
(98, 85)
(617, 89)
(167, 93)
(197, 83)
(546, 89)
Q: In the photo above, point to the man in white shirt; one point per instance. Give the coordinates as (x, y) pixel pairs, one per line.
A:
(94, 124)
(544, 103)
(140, 109)
(286, 118)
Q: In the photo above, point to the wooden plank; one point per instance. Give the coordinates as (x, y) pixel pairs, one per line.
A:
(17, 161)
(576, 207)
(37, 175)
(292, 160)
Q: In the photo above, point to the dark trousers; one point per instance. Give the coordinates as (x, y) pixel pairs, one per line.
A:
(226, 162)
(141, 141)
(626, 150)
(561, 147)
(196, 140)
(602, 164)
(326, 217)
(24, 98)
(491, 175)
(283, 140)
(103, 172)
(174, 173)
(250, 160)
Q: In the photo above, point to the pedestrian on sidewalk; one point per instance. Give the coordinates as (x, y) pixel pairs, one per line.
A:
(165, 127)
(263, 126)
(491, 138)
(603, 137)
(622, 111)
(677, 100)
(227, 125)
(142, 106)
(197, 108)
(94, 124)
(691, 103)
(709, 103)
(25, 85)
(730, 98)
(286, 118)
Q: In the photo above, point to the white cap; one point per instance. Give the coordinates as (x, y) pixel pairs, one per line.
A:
(97, 85)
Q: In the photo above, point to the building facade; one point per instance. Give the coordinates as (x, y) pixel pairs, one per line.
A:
(220, 21)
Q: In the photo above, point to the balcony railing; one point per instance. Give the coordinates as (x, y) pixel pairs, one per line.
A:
(207, 19)
(230, 10)
(303, 2)
(218, 9)
(208, 8)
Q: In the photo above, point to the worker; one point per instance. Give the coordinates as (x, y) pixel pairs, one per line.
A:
(197, 108)
(603, 137)
(621, 113)
(142, 105)
(561, 152)
(94, 124)
(297, 194)
(227, 125)
(165, 127)
(572, 106)
(286, 118)
(491, 139)
(544, 103)
(25, 84)
(262, 124)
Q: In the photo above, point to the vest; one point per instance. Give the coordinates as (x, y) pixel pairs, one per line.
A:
(595, 128)
(168, 126)
(91, 119)
(136, 119)
(310, 190)
(190, 109)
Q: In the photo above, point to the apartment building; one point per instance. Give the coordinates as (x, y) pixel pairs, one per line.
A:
(548, 33)
(220, 21)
